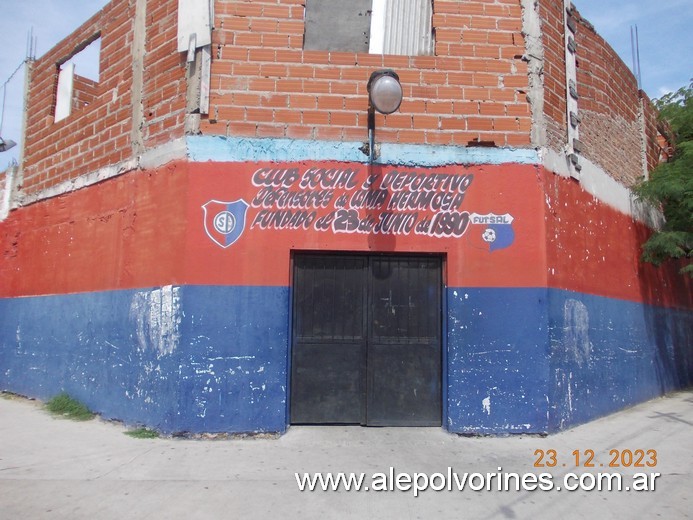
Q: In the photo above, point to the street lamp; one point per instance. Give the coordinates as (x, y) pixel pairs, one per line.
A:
(6, 145)
(385, 96)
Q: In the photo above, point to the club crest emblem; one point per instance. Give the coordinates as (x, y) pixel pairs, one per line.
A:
(225, 221)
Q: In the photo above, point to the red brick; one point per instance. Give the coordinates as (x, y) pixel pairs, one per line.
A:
(289, 85)
(266, 130)
(288, 56)
(343, 118)
(261, 55)
(273, 70)
(412, 136)
(300, 71)
(328, 133)
(277, 101)
(247, 39)
(438, 138)
(492, 109)
(316, 57)
(299, 132)
(316, 87)
(330, 102)
(288, 116)
(275, 40)
(277, 11)
(506, 124)
(263, 25)
(315, 117)
(267, 85)
(423, 122)
(479, 123)
(355, 134)
(397, 120)
(438, 107)
(453, 123)
(327, 72)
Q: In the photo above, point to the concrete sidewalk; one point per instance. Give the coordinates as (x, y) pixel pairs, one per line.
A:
(54, 468)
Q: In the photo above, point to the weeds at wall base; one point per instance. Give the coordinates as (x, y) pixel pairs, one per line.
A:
(142, 433)
(64, 406)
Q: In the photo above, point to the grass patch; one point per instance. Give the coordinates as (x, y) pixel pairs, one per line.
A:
(69, 408)
(143, 433)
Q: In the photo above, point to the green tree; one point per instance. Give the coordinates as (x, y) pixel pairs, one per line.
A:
(670, 185)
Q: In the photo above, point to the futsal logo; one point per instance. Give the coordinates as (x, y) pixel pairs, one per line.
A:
(495, 231)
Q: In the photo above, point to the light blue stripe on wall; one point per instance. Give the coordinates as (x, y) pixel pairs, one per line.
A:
(242, 149)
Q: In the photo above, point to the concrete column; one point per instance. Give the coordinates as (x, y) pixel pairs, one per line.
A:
(138, 52)
(534, 56)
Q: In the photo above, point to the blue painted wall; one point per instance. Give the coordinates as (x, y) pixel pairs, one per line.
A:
(498, 360)
(196, 359)
(214, 359)
(541, 360)
(608, 354)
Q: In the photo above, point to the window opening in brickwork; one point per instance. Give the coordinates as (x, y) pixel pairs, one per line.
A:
(78, 79)
(400, 27)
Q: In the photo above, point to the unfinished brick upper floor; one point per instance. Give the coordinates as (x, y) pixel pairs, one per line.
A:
(473, 90)
(99, 131)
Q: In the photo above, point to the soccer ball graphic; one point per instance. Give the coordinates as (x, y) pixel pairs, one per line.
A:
(489, 235)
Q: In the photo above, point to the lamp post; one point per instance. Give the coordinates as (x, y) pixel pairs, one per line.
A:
(385, 96)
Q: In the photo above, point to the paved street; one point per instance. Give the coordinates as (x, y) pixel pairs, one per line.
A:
(55, 468)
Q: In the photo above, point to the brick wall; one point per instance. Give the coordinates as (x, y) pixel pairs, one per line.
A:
(263, 84)
(85, 92)
(473, 89)
(99, 134)
(612, 127)
(658, 135)
(609, 107)
(90, 137)
(164, 75)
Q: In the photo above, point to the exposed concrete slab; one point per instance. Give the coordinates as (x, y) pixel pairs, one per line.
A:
(53, 468)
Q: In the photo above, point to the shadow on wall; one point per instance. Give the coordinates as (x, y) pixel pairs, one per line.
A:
(668, 316)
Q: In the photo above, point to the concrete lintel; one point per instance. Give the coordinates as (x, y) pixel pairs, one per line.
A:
(152, 158)
(171, 151)
(79, 182)
(595, 181)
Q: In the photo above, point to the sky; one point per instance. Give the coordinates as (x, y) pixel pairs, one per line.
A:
(664, 30)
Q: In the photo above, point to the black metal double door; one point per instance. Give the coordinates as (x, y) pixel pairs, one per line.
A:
(366, 340)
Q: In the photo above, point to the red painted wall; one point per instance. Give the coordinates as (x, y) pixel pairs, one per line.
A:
(148, 229)
(122, 233)
(594, 249)
(261, 257)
